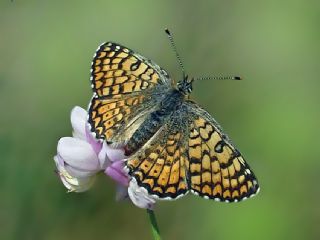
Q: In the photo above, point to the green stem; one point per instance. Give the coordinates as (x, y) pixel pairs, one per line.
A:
(154, 225)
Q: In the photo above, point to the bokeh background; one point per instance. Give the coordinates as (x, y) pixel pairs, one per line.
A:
(46, 48)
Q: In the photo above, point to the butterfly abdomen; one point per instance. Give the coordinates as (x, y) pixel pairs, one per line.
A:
(148, 128)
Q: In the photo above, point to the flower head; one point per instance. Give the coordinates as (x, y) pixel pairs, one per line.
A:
(80, 157)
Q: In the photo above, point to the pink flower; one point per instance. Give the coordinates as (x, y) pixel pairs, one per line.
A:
(81, 157)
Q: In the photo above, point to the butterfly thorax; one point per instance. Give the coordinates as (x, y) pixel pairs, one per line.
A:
(153, 122)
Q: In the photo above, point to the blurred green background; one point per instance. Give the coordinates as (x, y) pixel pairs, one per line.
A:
(46, 48)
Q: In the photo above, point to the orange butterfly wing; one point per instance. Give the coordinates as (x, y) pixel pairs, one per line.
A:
(126, 86)
(216, 168)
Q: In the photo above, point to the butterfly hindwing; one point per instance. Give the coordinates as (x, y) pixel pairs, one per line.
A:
(159, 166)
(217, 170)
(125, 85)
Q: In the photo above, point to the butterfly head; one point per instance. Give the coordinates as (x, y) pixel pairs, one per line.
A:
(185, 86)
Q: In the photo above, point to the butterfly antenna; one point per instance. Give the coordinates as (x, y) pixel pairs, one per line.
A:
(220, 78)
(175, 51)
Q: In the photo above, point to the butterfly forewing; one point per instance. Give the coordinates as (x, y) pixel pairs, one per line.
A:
(125, 85)
(117, 70)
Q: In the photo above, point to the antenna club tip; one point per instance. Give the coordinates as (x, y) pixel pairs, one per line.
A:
(238, 78)
(167, 31)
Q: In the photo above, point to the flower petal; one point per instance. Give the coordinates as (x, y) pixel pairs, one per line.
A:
(139, 196)
(74, 172)
(79, 173)
(109, 154)
(95, 144)
(78, 153)
(59, 161)
(72, 183)
(78, 122)
(114, 154)
(77, 185)
(117, 173)
(103, 158)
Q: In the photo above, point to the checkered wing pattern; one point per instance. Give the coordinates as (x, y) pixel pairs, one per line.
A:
(125, 85)
(216, 169)
(159, 166)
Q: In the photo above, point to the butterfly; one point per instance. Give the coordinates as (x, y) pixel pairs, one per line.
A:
(173, 145)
